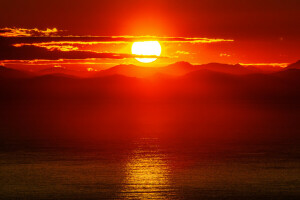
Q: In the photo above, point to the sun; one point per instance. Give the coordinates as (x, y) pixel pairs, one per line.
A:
(146, 48)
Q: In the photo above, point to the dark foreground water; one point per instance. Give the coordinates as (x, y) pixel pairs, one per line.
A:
(150, 168)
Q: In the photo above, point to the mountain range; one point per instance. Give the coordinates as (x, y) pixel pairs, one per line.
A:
(172, 70)
(215, 101)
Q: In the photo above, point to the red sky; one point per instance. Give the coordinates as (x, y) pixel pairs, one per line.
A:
(263, 31)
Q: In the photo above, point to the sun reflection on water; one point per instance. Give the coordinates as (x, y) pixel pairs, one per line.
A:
(147, 173)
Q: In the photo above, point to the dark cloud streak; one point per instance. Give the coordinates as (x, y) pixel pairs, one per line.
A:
(33, 52)
(99, 39)
(31, 48)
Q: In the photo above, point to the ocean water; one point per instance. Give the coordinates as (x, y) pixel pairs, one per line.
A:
(151, 168)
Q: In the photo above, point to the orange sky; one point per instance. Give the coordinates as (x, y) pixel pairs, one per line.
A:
(246, 31)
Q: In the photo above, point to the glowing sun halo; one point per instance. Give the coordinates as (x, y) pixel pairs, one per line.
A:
(147, 48)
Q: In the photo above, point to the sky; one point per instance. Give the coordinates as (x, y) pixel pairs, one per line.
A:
(100, 33)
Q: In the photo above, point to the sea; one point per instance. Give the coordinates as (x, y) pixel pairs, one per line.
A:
(150, 168)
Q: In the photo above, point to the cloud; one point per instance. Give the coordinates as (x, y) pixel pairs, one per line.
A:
(50, 44)
(183, 52)
(54, 36)
(18, 47)
(87, 61)
(33, 53)
(106, 39)
(283, 65)
(224, 55)
(24, 32)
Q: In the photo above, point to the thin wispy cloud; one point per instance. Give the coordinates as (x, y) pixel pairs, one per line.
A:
(183, 52)
(24, 32)
(30, 36)
(107, 39)
(283, 65)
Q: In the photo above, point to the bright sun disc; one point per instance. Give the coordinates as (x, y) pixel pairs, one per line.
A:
(147, 48)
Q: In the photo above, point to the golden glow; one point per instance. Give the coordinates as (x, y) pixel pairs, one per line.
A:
(283, 65)
(147, 173)
(147, 48)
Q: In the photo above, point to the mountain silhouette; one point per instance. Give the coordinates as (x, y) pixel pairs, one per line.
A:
(8, 73)
(229, 69)
(219, 101)
(176, 69)
(173, 70)
(289, 74)
(295, 65)
(128, 70)
(66, 71)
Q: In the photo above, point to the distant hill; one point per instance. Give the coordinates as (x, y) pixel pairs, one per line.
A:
(62, 70)
(179, 68)
(295, 65)
(228, 69)
(173, 70)
(289, 74)
(226, 102)
(8, 73)
(128, 70)
(176, 69)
